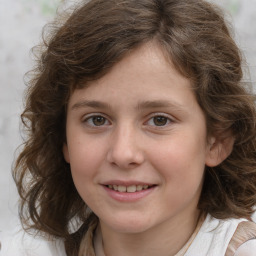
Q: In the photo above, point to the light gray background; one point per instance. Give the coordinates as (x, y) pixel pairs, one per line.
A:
(21, 22)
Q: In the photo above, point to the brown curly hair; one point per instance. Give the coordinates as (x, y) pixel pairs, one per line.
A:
(98, 34)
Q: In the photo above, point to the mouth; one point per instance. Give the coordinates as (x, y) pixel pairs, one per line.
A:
(130, 188)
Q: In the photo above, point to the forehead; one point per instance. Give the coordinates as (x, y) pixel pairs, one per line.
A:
(146, 65)
(143, 78)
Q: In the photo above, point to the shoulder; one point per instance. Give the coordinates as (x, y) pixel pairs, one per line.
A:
(247, 249)
(19, 243)
(213, 237)
(243, 242)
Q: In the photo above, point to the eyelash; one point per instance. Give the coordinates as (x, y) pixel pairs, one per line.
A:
(167, 120)
(89, 120)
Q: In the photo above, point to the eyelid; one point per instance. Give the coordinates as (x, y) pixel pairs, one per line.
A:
(86, 117)
(92, 114)
(162, 114)
(169, 117)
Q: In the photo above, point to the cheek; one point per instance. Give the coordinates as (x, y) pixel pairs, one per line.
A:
(181, 158)
(84, 165)
(85, 159)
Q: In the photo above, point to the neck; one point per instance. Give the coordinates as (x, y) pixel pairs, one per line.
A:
(167, 238)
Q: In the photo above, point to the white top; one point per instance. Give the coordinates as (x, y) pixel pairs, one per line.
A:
(214, 236)
(211, 240)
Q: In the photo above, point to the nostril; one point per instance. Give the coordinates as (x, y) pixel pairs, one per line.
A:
(124, 152)
(133, 164)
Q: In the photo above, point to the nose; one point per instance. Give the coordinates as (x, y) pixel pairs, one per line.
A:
(125, 150)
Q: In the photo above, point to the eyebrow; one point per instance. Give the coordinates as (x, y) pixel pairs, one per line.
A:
(141, 105)
(159, 104)
(90, 103)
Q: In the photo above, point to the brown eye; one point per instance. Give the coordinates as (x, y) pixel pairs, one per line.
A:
(98, 120)
(160, 120)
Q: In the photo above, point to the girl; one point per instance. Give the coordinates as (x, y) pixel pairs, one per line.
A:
(141, 135)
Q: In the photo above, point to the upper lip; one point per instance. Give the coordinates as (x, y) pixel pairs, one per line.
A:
(126, 183)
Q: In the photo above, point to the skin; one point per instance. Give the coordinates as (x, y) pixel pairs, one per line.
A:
(127, 144)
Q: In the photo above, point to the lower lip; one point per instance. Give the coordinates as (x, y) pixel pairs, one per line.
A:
(129, 197)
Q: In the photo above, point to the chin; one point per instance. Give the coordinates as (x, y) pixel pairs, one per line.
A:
(129, 225)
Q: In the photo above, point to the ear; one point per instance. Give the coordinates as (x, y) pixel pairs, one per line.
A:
(219, 149)
(65, 152)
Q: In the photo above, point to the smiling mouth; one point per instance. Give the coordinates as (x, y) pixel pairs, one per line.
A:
(129, 189)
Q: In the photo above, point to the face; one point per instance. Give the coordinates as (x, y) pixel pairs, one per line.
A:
(137, 143)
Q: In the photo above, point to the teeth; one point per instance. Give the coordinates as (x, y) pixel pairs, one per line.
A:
(121, 188)
(129, 189)
(139, 187)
